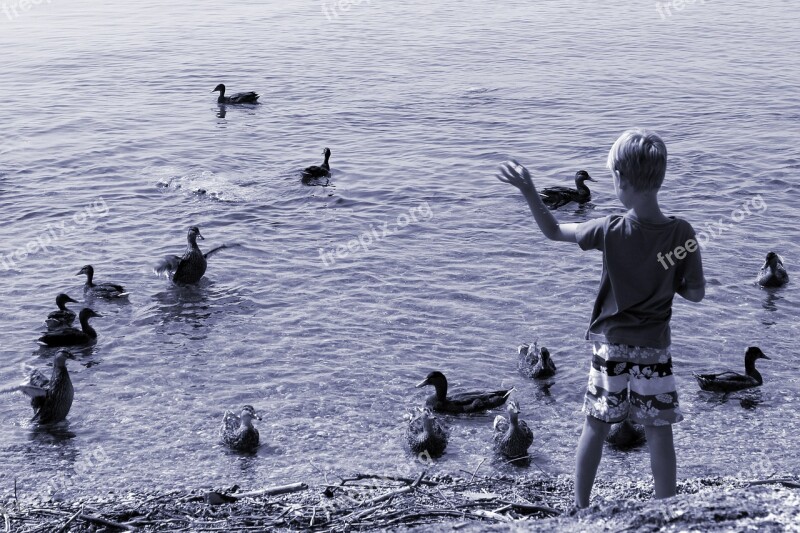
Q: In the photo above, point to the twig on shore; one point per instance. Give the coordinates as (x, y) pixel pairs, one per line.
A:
(790, 483)
(69, 520)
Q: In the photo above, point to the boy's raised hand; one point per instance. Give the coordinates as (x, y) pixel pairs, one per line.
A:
(517, 175)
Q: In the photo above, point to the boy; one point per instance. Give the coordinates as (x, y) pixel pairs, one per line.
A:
(647, 258)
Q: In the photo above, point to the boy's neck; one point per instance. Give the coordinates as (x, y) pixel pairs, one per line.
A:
(644, 208)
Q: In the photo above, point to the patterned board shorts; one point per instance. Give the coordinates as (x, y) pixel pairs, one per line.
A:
(632, 382)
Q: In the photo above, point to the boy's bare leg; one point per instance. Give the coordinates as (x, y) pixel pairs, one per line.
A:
(662, 459)
(590, 450)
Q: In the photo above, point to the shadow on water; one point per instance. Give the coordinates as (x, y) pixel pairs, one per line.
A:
(199, 305)
(50, 434)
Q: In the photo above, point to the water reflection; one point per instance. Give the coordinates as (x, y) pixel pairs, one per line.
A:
(51, 434)
(222, 111)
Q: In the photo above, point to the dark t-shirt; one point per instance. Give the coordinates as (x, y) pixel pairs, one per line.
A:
(643, 266)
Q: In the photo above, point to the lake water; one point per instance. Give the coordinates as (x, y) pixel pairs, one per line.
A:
(110, 133)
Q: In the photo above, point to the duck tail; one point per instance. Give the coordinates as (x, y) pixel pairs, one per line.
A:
(167, 266)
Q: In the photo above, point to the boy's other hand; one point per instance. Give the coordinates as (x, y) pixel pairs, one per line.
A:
(517, 175)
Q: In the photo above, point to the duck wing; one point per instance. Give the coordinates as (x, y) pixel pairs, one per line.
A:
(64, 337)
(230, 424)
(215, 250)
(500, 426)
(244, 98)
(476, 402)
(32, 391)
(167, 266)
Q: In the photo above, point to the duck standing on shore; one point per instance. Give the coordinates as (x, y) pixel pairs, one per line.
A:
(773, 273)
(63, 317)
(105, 290)
(463, 402)
(237, 432)
(188, 269)
(733, 381)
(555, 197)
(512, 436)
(535, 362)
(72, 336)
(426, 434)
(51, 399)
(238, 98)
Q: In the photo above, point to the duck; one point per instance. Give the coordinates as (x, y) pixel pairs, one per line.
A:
(72, 336)
(512, 436)
(51, 399)
(109, 291)
(190, 268)
(426, 434)
(63, 318)
(773, 273)
(555, 197)
(315, 172)
(733, 381)
(237, 432)
(625, 435)
(535, 362)
(463, 402)
(238, 98)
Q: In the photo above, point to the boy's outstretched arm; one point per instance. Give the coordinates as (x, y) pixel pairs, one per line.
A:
(518, 176)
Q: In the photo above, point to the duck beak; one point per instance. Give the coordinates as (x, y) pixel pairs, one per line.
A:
(81, 271)
(71, 300)
(764, 356)
(421, 383)
(98, 315)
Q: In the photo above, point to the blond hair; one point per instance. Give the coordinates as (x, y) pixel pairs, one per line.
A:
(640, 157)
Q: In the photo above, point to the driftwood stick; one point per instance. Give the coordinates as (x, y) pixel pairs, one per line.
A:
(790, 483)
(273, 491)
(531, 508)
(389, 495)
(105, 522)
(407, 480)
(476, 469)
(70, 520)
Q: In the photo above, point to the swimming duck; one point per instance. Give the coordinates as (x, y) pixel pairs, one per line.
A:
(625, 435)
(555, 197)
(512, 436)
(316, 172)
(72, 336)
(191, 267)
(238, 98)
(101, 290)
(535, 362)
(63, 318)
(733, 381)
(51, 399)
(426, 434)
(463, 402)
(773, 273)
(237, 432)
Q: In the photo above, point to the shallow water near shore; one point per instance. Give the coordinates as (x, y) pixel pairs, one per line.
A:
(113, 146)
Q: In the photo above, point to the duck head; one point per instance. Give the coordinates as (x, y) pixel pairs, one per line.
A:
(62, 300)
(247, 418)
(88, 270)
(753, 354)
(327, 153)
(438, 380)
(513, 411)
(772, 261)
(60, 360)
(582, 176)
(545, 354)
(220, 88)
(194, 234)
(87, 313)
